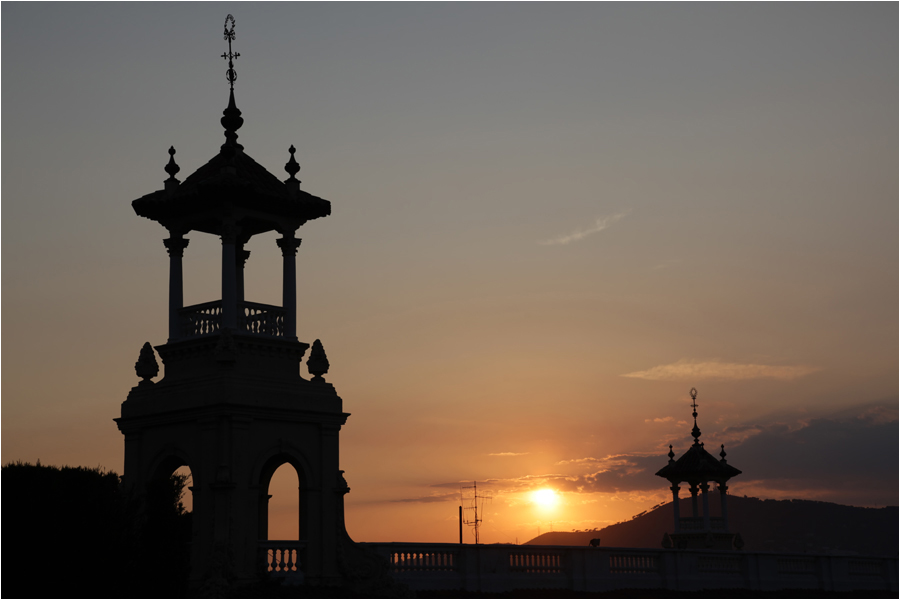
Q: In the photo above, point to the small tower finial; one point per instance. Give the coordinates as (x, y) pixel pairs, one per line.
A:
(696, 430)
(172, 169)
(723, 453)
(230, 74)
(231, 116)
(671, 454)
(317, 363)
(292, 166)
(146, 366)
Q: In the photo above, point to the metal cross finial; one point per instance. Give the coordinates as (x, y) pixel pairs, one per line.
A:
(696, 430)
(230, 74)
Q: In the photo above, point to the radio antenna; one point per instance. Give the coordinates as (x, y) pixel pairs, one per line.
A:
(471, 507)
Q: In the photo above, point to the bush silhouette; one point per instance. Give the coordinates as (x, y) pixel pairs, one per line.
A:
(71, 532)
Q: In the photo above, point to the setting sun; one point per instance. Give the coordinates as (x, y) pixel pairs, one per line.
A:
(545, 498)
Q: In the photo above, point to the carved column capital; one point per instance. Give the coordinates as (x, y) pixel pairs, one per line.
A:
(288, 245)
(175, 245)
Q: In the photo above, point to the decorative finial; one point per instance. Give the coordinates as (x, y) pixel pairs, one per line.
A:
(671, 454)
(317, 362)
(172, 169)
(146, 366)
(231, 116)
(230, 74)
(696, 430)
(292, 166)
(722, 453)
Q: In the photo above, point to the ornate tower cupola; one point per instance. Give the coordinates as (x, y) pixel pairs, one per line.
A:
(697, 467)
(232, 405)
(234, 198)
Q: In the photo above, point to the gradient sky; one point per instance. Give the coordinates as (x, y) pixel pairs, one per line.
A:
(549, 222)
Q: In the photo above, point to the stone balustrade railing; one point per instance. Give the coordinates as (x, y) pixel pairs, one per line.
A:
(264, 319)
(282, 558)
(200, 319)
(253, 317)
(499, 568)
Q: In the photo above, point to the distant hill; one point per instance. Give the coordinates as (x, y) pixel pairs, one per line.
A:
(765, 525)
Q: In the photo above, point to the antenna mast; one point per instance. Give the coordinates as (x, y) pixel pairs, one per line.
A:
(472, 505)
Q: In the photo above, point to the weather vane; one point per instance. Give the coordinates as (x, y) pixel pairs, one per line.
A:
(230, 74)
(694, 401)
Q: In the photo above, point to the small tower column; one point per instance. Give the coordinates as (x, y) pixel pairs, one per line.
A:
(229, 276)
(175, 246)
(704, 488)
(694, 509)
(241, 258)
(723, 491)
(675, 490)
(289, 244)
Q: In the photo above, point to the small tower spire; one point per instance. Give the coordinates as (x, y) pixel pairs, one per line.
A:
(696, 430)
(231, 116)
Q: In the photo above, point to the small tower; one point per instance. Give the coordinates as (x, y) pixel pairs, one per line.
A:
(698, 468)
(232, 405)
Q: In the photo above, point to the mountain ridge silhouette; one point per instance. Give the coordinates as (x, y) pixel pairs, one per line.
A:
(801, 526)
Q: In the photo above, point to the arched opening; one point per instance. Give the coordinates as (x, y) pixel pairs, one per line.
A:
(284, 504)
(283, 515)
(186, 481)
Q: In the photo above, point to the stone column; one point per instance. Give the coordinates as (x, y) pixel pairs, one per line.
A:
(704, 487)
(675, 490)
(289, 245)
(175, 246)
(242, 256)
(723, 491)
(229, 276)
(693, 489)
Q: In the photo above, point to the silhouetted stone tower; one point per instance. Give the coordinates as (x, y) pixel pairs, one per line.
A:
(232, 405)
(697, 467)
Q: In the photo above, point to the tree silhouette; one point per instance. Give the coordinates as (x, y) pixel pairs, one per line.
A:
(76, 524)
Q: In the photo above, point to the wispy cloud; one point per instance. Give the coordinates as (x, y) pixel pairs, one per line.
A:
(660, 420)
(431, 498)
(507, 454)
(579, 234)
(692, 370)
